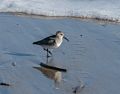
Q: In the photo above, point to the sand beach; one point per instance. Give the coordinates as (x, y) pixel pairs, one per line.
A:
(91, 57)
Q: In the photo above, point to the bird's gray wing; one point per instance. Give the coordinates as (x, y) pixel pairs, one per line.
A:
(46, 41)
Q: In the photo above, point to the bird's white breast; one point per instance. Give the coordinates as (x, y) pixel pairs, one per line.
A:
(58, 42)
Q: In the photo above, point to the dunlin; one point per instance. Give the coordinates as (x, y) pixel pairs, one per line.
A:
(51, 42)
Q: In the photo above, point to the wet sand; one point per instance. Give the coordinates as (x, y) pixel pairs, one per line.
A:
(91, 57)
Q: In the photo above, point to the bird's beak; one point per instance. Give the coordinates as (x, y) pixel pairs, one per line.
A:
(66, 38)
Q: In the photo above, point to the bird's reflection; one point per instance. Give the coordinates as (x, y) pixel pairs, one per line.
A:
(51, 73)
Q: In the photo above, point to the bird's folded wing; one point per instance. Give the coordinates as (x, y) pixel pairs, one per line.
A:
(46, 41)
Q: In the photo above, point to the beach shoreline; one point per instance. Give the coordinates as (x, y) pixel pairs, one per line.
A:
(98, 20)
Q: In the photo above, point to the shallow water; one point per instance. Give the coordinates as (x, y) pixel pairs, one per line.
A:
(91, 57)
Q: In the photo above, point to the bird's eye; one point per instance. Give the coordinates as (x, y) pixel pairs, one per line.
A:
(61, 34)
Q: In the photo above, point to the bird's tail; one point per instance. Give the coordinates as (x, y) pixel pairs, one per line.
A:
(34, 43)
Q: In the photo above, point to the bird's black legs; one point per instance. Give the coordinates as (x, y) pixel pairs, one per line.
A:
(48, 52)
(47, 56)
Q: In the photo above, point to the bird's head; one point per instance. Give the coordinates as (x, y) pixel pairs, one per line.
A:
(60, 34)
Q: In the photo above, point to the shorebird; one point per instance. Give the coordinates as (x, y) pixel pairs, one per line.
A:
(51, 42)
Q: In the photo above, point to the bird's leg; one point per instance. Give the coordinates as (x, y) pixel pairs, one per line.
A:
(47, 56)
(48, 52)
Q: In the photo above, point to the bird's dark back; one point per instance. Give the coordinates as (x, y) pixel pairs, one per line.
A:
(46, 41)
